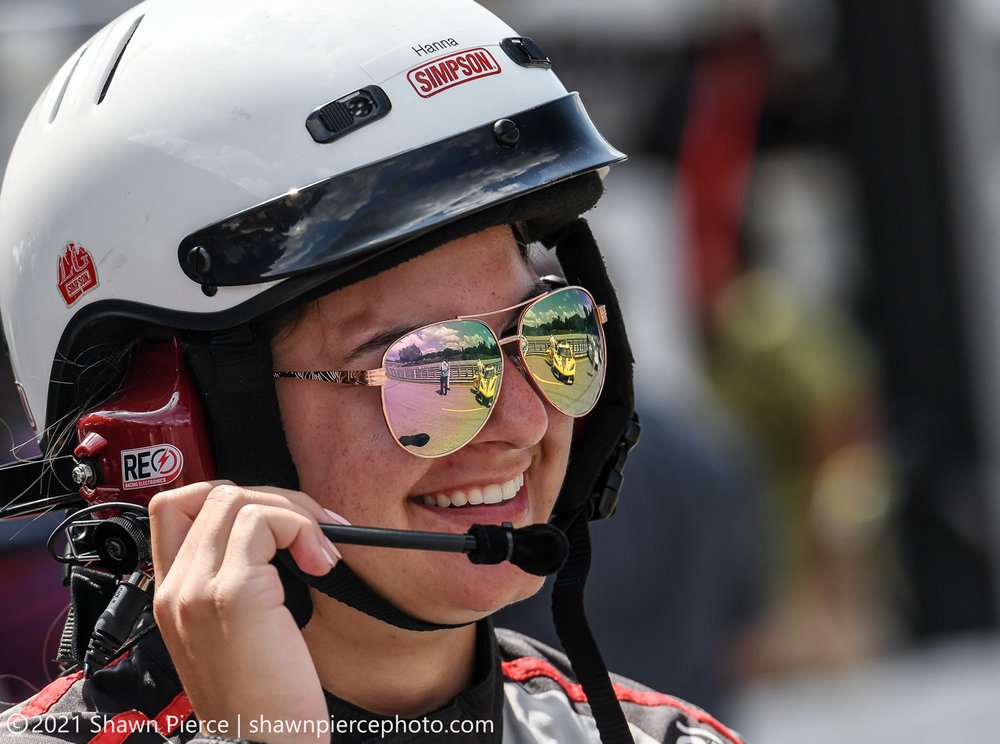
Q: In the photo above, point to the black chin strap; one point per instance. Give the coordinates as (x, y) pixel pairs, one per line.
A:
(578, 640)
(593, 481)
(344, 585)
(568, 613)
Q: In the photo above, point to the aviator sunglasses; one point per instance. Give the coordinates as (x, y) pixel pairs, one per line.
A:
(441, 381)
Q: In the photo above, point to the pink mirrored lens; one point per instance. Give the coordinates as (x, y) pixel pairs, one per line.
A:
(562, 345)
(441, 382)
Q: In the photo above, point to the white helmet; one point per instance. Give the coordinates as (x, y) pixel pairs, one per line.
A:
(197, 164)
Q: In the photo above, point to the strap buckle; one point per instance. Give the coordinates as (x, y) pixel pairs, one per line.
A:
(604, 500)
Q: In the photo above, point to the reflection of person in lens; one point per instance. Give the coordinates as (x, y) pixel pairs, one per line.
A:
(445, 372)
(397, 222)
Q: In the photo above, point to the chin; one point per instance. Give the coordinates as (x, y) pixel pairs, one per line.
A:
(439, 587)
(490, 588)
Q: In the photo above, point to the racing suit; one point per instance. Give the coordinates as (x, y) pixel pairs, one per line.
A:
(523, 691)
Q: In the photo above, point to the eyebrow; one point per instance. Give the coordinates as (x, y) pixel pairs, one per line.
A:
(381, 339)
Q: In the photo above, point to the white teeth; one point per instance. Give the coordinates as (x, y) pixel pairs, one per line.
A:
(494, 493)
(508, 489)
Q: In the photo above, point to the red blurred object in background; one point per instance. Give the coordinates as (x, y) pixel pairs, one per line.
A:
(717, 149)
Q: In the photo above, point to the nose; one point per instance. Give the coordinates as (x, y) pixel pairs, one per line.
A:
(520, 418)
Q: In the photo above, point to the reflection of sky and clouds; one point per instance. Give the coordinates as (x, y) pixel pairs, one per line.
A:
(338, 216)
(563, 305)
(457, 335)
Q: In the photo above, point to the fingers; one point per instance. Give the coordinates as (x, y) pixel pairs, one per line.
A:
(193, 527)
(219, 603)
(171, 515)
(259, 531)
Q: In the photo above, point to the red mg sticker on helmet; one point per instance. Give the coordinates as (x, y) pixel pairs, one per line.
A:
(443, 73)
(77, 273)
(151, 466)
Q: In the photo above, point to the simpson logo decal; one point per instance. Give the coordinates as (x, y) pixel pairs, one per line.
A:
(443, 73)
(77, 273)
(151, 466)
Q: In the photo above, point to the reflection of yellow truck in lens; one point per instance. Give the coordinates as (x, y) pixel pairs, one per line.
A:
(485, 383)
(560, 357)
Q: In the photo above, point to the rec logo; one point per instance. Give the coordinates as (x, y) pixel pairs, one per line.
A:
(151, 466)
(443, 73)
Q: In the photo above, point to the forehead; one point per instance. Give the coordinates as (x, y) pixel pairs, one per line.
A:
(477, 268)
(476, 273)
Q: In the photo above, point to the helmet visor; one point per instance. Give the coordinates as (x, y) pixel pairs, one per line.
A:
(353, 216)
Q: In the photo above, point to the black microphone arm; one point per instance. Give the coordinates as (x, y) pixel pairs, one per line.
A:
(538, 549)
(378, 537)
(40, 485)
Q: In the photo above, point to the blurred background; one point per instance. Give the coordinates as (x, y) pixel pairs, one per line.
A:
(806, 247)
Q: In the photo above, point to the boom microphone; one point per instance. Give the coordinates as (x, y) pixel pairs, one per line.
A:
(538, 549)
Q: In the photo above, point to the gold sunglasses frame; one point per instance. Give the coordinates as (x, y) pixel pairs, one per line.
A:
(377, 377)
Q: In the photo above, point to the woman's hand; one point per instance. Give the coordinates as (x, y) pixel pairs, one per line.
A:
(220, 605)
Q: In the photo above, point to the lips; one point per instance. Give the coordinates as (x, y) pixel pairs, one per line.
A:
(493, 493)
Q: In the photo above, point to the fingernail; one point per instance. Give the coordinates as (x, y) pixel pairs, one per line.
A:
(337, 518)
(336, 552)
(329, 558)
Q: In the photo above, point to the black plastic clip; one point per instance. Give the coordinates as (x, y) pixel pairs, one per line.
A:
(347, 113)
(604, 501)
(525, 52)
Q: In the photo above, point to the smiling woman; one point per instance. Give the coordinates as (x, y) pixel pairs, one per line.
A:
(324, 287)
(523, 438)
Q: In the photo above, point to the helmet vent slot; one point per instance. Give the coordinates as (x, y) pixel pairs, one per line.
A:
(336, 117)
(347, 113)
(65, 85)
(122, 46)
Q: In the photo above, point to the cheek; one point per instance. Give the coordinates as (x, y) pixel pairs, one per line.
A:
(341, 448)
(555, 454)
(559, 435)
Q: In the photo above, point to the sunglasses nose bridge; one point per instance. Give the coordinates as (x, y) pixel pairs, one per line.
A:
(513, 355)
(518, 365)
(517, 415)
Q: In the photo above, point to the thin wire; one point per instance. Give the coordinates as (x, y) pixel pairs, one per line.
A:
(47, 461)
(14, 447)
(48, 636)
(23, 681)
(29, 522)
